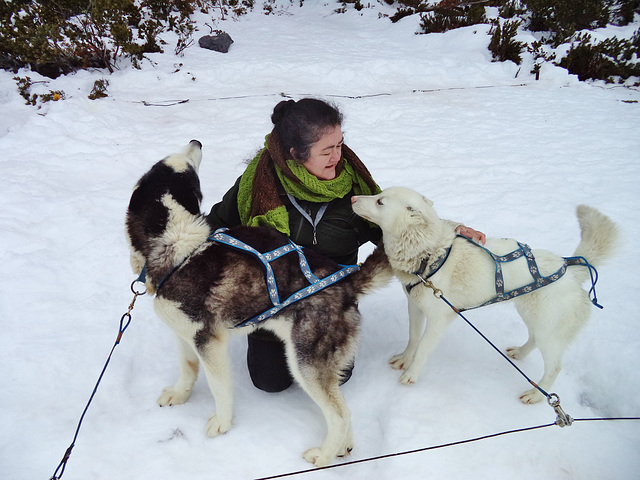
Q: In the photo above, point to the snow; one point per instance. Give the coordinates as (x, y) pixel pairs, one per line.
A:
(494, 148)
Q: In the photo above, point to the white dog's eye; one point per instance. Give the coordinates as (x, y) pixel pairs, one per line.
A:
(411, 209)
(379, 202)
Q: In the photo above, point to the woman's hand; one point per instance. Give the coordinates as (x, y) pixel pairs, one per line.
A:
(474, 235)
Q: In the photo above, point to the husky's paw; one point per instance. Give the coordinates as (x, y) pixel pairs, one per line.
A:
(409, 377)
(516, 353)
(216, 426)
(315, 456)
(171, 396)
(531, 396)
(398, 362)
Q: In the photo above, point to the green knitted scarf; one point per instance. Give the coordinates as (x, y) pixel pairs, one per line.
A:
(310, 189)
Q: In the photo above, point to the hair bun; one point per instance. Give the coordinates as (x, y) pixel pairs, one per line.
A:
(280, 110)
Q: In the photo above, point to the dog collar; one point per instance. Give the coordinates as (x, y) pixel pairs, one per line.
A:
(423, 272)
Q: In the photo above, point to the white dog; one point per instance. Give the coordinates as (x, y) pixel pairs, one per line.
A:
(417, 240)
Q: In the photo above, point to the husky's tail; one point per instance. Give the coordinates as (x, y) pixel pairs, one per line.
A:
(599, 237)
(375, 273)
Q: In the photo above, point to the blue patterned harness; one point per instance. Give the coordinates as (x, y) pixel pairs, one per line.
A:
(538, 280)
(316, 284)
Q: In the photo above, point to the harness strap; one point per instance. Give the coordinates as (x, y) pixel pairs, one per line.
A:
(266, 258)
(315, 286)
(301, 294)
(539, 280)
(593, 275)
(509, 257)
(142, 278)
(538, 283)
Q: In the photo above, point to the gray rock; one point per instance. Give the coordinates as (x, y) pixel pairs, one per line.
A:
(218, 43)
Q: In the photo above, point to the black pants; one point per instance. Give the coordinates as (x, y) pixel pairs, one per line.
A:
(268, 364)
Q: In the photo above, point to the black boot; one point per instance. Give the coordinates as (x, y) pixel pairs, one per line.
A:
(267, 362)
(345, 375)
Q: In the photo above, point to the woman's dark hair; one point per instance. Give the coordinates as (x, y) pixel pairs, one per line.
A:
(301, 124)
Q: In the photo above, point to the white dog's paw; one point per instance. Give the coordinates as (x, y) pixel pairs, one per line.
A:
(317, 457)
(346, 450)
(171, 396)
(398, 362)
(516, 353)
(531, 396)
(409, 377)
(217, 426)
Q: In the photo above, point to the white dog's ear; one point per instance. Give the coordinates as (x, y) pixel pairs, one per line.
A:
(415, 215)
(427, 201)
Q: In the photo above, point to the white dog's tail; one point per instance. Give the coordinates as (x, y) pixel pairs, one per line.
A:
(599, 236)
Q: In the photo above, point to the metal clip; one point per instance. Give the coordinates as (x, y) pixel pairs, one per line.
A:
(436, 291)
(138, 290)
(562, 420)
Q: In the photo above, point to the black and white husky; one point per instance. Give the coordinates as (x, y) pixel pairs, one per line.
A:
(415, 239)
(204, 289)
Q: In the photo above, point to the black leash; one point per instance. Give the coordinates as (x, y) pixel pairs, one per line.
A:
(125, 320)
(436, 447)
(562, 419)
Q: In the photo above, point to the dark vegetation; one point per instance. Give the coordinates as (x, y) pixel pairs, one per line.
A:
(57, 37)
(557, 22)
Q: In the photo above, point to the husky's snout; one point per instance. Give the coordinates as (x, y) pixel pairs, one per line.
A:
(193, 153)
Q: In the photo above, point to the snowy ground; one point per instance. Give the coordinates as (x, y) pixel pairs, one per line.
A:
(491, 146)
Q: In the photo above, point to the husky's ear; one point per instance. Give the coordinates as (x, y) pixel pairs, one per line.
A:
(427, 201)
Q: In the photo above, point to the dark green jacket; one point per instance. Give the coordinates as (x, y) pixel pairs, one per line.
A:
(339, 233)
